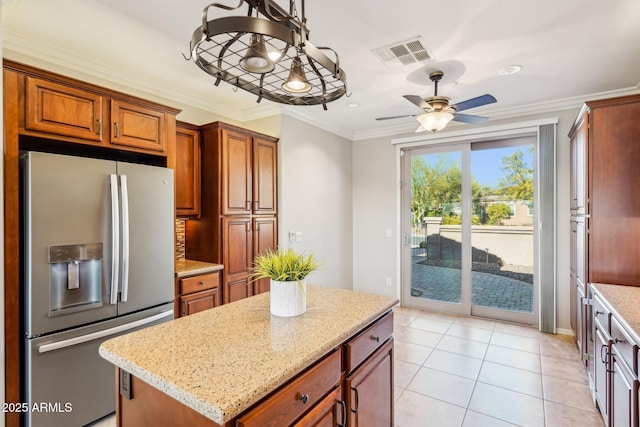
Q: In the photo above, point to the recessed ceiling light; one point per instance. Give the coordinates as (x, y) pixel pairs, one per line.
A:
(353, 105)
(511, 69)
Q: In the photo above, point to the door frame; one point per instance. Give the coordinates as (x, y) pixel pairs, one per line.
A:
(505, 131)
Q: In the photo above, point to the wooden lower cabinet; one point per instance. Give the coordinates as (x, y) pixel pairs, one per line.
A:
(198, 293)
(330, 412)
(370, 390)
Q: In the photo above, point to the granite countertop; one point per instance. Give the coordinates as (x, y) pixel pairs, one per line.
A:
(220, 362)
(623, 301)
(187, 267)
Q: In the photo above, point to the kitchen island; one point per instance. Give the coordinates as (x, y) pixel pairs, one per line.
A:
(238, 365)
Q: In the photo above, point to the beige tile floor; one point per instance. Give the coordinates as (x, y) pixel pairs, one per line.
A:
(454, 371)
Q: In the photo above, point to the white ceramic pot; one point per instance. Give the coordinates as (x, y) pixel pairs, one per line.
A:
(288, 299)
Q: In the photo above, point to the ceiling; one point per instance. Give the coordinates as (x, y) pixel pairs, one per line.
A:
(570, 51)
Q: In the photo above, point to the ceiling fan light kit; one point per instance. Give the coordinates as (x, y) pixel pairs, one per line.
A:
(268, 54)
(435, 120)
(437, 112)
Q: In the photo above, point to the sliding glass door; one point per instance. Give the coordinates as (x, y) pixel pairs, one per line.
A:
(469, 241)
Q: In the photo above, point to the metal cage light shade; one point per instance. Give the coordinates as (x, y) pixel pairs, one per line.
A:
(297, 82)
(239, 49)
(257, 59)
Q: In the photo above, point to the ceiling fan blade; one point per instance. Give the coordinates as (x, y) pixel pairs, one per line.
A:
(416, 100)
(397, 117)
(467, 118)
(474, 102)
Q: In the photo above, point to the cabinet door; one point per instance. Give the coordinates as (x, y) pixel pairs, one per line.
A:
(578, 178)
(623, 386)
(370, 391)
(580, 320)
(237, 246)
(62, 110)
(199, 301)
(187, 172)
(265, 236)
(330, 412)
(264, 177)
(138, 127)
(602, 360)
(236, 173)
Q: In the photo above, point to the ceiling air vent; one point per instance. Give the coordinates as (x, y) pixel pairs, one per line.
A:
(403, 53)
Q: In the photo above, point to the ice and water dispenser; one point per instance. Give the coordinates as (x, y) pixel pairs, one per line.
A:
(76, 278)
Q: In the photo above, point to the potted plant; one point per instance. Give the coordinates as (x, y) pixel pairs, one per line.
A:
(288, 272)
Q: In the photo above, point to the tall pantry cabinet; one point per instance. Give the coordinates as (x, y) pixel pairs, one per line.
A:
(238, 217)
(605, 207)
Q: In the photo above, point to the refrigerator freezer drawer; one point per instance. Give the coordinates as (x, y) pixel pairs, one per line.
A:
(65, 372)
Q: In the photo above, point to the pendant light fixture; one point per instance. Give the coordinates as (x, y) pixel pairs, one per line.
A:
(296, 82)
(268, 52)
(257, 59)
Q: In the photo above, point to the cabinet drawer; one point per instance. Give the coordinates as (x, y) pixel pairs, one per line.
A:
(297, 397)
(601, 314)
(199, 283)
(623, 344)
(368, 341)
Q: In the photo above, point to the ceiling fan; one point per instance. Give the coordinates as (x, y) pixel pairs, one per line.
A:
(436, 109)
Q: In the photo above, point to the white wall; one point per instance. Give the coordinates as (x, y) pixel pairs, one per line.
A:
(375, 256)
(315, 198)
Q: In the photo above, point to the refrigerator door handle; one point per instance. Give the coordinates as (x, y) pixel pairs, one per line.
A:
(125, 237)
(115, 239)
(44, 348)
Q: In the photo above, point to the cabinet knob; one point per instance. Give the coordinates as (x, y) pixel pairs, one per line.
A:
(617, 340)
(201, 282)
(375, 338)
(304, 398)
(599, 313)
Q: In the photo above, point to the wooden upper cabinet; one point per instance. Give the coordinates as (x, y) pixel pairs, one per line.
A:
(613, 182)
(63, 110)
(236, 173)
(187, 171)
(264, 177)
(137, 127)
(56, 107)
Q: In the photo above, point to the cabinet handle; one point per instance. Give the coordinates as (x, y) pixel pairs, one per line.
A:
(602, 356)
(375, 338)
(117, 130)
(357, 399)
(599, 313)
(304, 398)
(100, 128)
(184, 308)
(344, 414)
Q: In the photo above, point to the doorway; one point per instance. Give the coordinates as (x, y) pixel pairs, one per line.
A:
(468, 211)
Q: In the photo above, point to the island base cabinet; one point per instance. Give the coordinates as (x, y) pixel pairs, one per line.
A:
(149, 407)
(369, 390)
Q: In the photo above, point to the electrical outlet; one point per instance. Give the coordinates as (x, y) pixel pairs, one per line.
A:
(389, 283)
(292, 236)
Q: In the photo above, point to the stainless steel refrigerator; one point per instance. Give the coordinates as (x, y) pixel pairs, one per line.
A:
(98, 262)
